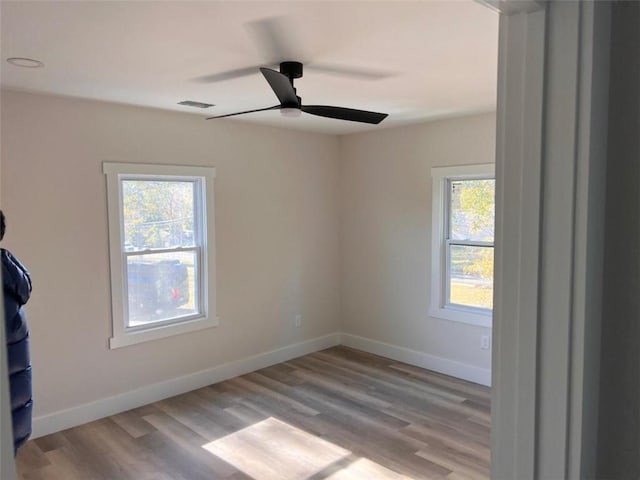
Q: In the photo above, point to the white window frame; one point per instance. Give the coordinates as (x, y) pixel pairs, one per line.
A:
(122, 335)
(441, 176)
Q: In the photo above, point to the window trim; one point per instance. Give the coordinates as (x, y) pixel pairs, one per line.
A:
(121, 334)
(440, 178)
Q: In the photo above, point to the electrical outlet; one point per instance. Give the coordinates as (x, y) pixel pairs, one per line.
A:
(298, 320)
(485, 342)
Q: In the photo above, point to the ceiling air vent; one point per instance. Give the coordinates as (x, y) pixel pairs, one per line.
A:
(191, 103)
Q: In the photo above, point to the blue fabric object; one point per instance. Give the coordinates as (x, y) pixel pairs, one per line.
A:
(16, 284)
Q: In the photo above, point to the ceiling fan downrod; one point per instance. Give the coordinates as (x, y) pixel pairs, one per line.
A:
(292, 70)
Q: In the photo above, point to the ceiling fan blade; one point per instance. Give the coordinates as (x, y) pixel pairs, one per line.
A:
(341, 113)
(274, 37)
(275, 107)
(354, 72)
(281, 87)
(228, 75)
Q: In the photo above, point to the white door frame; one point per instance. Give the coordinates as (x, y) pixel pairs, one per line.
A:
(550, 184)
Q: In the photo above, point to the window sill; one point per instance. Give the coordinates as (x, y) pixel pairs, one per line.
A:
(164, 331)
(462, 315)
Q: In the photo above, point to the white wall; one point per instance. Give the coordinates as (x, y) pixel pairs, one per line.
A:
(277, 214)
(386, 236)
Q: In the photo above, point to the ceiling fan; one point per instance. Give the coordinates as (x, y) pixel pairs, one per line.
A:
(291, 104)
(276, 40)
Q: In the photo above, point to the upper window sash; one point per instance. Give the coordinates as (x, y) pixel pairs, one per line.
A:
(450, 211)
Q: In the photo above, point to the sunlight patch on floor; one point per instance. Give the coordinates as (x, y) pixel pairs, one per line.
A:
(275, 450)
(365, 469)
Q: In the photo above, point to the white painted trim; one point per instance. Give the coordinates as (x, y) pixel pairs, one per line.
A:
(574, 172)
(460, 315)
(512, 7)
(589, 239)
(521, 71)
(550, 164)
(437, 307)
(446, 366)
(63, 419)
(164, 331)
(109, 168)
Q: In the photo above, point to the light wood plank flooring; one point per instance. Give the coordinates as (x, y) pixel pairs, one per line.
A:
(337, 414)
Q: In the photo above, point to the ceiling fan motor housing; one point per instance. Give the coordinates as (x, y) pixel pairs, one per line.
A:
(291, 69)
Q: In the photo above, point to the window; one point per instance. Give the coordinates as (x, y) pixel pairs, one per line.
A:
(161, 234)
(462, 250)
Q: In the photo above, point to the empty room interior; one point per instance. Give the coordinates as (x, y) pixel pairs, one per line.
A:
(260, 239)
(303, 335)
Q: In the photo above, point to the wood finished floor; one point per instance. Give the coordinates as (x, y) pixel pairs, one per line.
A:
(337, 414)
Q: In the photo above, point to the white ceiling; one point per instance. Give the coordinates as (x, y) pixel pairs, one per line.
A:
(440, 56)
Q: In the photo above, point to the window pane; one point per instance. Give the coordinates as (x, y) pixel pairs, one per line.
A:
(472, 210)
(471, 276)
(161, 286)
(157, 214)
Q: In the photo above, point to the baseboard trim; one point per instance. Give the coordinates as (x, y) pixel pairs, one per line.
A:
(461, 370)
(88, 412)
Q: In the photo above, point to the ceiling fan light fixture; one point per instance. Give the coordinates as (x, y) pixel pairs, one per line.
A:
(290, 112)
